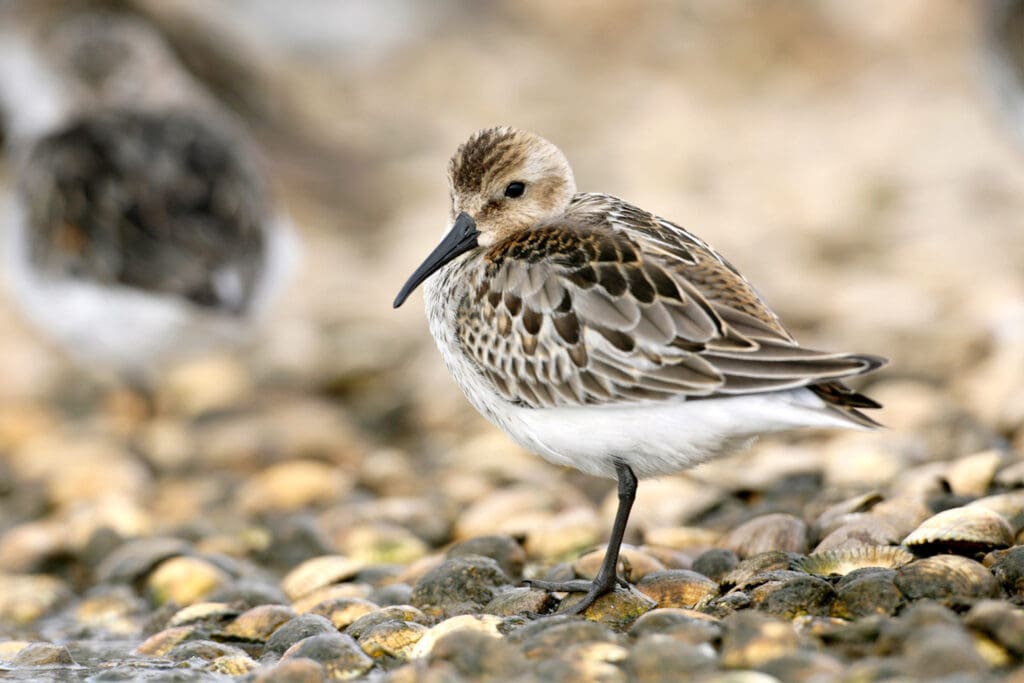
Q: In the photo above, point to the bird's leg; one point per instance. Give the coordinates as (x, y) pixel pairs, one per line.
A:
(606, 578)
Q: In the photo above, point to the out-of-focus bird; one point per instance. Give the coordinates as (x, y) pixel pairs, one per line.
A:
(140, 228)
(1003, 51)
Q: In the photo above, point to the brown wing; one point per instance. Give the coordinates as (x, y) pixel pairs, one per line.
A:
(611, 305)
(162, 202)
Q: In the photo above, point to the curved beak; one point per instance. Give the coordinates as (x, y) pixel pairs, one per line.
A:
(460, 239)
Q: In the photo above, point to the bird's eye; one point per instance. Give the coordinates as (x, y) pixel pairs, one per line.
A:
(515, 189)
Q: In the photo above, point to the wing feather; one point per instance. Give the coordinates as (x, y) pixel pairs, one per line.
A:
(610, 304)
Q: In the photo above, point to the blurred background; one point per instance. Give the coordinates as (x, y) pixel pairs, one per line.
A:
(852, 159)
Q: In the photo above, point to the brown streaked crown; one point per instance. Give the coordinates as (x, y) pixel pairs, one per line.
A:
(483, 167)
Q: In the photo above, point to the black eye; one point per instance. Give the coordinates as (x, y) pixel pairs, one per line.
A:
(515, 189)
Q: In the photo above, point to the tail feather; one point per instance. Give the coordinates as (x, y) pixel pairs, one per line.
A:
(845, 400)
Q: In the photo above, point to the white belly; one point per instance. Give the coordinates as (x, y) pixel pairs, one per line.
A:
(661, 438)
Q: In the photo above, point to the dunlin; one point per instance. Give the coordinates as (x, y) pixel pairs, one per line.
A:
(605, 338)
(140, 228)
(1003, 46)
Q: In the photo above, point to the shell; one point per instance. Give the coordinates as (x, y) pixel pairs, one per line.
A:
(204, 612)
(343, 611)
(391, 613)
(845, 560)
(751, 639)
(634, 565)
(257, 624)
(776, 531)
(972, 474)
(335, 591)
(395, 639)
(867, 592)
(1009, 505)
(185, 580)
(949, 579)
(964, 530)
(159, 644)
(232, 665)
(338, 653)
(677, 588)
(318, 572)
(485, 624)
(836, 515)
(860, 531)
(748, 569)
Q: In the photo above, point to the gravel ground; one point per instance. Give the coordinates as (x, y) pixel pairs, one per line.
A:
(323, 504)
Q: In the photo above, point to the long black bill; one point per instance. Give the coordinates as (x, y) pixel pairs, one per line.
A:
(460, 239)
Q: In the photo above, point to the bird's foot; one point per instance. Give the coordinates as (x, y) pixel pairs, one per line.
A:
(592, 589)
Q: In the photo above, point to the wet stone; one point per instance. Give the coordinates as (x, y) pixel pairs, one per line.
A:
(520, 601)
(460, 585)
(504, 550)
(750, 639)
(43, 654)
(715, 563)
(293, 631)
(339, 655)
(392, 613)
(655, 658)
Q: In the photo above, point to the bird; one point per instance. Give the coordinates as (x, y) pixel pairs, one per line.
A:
(1003, 58)
(605, 338)
(140, 228)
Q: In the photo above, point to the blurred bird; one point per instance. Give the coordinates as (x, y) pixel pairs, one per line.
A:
(606, 338)
(140, 229)
(1003, 45)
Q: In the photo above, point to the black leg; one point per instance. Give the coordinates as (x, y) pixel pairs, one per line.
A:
(606, 578)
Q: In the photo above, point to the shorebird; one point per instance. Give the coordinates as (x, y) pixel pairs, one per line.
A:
(140, 228)
(1003, 52)
(605, 338)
